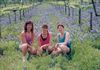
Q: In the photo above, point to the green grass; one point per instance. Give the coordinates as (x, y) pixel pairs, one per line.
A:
(85, 57)
(97, 43)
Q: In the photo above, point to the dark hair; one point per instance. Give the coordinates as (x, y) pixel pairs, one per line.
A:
(60, 25)
(45, 26)
(25, 26)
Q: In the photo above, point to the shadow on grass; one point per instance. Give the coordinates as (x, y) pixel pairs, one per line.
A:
(68, 57)
(97, 43)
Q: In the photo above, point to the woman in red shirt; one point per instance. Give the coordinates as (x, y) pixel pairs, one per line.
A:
(44, 40)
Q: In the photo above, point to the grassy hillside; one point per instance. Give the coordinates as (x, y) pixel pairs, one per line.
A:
(85, 56)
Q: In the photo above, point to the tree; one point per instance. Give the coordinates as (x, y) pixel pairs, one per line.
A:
(94, 7)
(79, 16)
(91, 20)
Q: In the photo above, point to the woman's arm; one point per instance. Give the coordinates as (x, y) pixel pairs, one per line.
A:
(22, 37)
(67, 38)
(39, 43)
(56, 39)
(50, 41)
(33, 36)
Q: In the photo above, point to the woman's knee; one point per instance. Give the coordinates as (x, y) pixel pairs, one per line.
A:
(65, 49)
(54, 53)
(39, 51)
(24, 47)
(50, 48)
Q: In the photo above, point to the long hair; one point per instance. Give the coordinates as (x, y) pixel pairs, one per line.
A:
(25, 26)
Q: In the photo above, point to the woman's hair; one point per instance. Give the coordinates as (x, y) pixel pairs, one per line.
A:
(25, 26)
(45, 26)
(60, 24)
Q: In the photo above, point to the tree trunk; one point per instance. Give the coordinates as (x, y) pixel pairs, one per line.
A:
(23, 13)
(91, 21)
(65, 6)
(9, 18)
(14, 15)
(72, 12)
(94, 7)
(20, 15)
(79, 16)
(68, 11)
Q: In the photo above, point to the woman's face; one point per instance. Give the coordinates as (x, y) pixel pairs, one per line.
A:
(29, 27)
(60, 29)
(44, 31)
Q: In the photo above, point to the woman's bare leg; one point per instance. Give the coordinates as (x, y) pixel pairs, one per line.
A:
(57, 51)
(50, 49)
(31, 50)
(24, 51)
(64, 49)
(39, 51)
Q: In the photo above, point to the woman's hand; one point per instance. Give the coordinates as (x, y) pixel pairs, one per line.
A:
(55, 47)
(29, 46)
(44, 46)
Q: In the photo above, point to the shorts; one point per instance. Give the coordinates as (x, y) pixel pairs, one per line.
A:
(69, 46)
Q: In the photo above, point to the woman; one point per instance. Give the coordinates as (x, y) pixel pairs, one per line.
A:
(44, 40)
(62, 41)
(27, 39)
